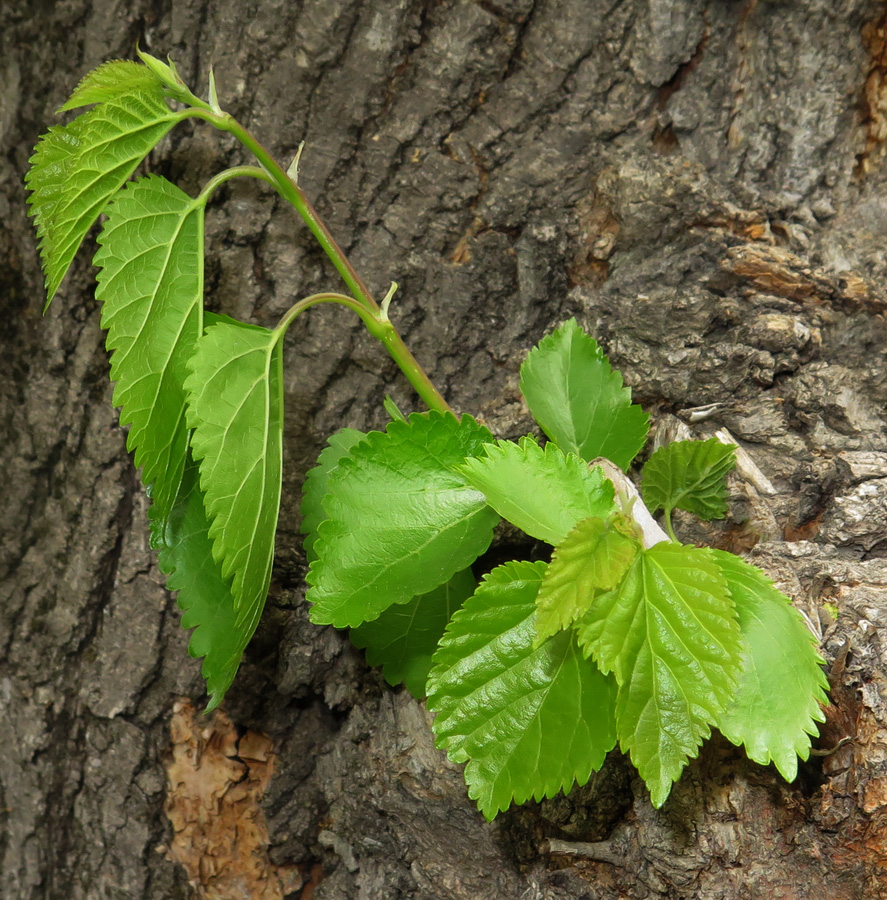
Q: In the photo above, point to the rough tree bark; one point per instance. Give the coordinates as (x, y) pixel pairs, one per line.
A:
(701, 182)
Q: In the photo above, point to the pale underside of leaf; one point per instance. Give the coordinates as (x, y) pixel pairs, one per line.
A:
(543, 491)
(402, 520)
(184, 551)
(579, 400)
(235, 406)
(405, 636)
(782, 686)
(77, 168)
(151, 286)
(669, 634)
(528, 722)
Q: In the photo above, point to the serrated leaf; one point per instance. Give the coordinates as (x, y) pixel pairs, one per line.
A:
(670, 636)
(405, 636)
(184, 554)
(689, 475)
(544, 492)
(401, 520)
(151, 286)
(528, 721)
(782, 684)
(77, 168)
(579, 400)
(594, 557)
(111, 79)
(313, 513)
(235, 406)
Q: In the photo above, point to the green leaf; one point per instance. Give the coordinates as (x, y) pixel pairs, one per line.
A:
(151, 287)
(235, 406)
(392, 409)
(77, 168)
(689, 475)
(782, 685)
(404, 638)
(669, 634)
(313, 513)
(594, 557)
(528, 721)
(185, 556)
(111, 79)
(579, 401)
(401, 520)
(545, 492)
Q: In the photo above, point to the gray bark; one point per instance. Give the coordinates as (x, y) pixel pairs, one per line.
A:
(701, 183)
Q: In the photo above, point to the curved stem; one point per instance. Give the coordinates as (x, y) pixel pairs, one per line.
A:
(235, 172)
(326, 297)
(293, 194)
(374, 317)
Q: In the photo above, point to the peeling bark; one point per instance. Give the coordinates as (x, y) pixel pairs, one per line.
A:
(701, 184)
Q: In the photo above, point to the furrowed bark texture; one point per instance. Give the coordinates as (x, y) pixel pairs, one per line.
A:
(701, 183)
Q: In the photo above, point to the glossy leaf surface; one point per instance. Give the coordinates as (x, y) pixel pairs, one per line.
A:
(313, 513)
(594, 557)
(77, 168)
(528, 721)
(401, 520)
(670, 636)
(542, 491)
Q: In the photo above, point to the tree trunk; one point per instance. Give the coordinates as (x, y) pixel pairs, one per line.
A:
(700, 183)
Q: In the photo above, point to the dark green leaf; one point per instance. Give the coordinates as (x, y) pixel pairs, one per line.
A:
(185, 556)
(404, 638)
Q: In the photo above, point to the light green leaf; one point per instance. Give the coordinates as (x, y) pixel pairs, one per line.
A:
(235, 406)
(594, 557)
(669, 634)
(111, 79)
(151, 287)
(782, 684)
(315, 488)
(392, 409)
(689, 475)
(404, 638)
(528, 721)
(77, 168)
(545, 492)
(579, 401)
(184, 553)
(401, 520)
